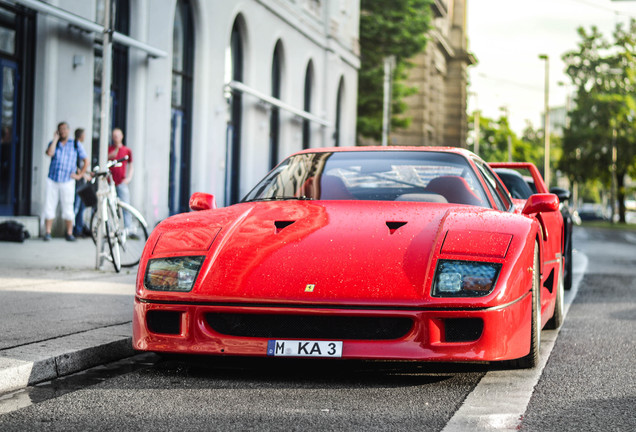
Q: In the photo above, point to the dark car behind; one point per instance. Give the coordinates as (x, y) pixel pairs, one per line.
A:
(520, 188)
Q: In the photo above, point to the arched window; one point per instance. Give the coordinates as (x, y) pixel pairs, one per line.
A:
(234, 72)
(274, 120)
(119, 85)
(181, 123)
(309, 78)
(339, 102)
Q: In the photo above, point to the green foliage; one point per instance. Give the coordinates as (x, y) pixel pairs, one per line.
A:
(493, 142)
(590, 191)
(388, 27)
(604, 74)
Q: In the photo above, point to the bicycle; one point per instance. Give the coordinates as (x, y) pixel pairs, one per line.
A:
(125, 243)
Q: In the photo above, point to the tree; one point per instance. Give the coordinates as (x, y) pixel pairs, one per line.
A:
(493, 142)
(388, 27)
(604, 74)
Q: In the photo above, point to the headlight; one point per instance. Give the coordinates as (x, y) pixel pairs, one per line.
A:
(464, 278)
(173, 274)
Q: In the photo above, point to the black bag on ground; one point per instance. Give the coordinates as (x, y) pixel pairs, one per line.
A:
(13, 231)
(88, 194)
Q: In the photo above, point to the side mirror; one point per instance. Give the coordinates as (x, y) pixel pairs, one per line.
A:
(541, 203)
(202, 201)
(563, 194)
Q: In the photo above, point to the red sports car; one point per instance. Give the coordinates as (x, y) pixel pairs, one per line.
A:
(363, 252)
(521, 187)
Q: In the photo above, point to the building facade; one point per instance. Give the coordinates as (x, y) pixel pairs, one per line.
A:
(237, 85)
(438, 109)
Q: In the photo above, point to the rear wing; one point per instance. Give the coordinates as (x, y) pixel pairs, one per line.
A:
(530, 167)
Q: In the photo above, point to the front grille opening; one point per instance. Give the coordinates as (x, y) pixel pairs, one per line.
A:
(164, 322)
(309, 326)
(463, 329)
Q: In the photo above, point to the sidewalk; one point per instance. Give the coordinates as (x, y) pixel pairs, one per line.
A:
(58, 314)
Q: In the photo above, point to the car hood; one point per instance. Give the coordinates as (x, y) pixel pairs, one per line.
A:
(323, 252)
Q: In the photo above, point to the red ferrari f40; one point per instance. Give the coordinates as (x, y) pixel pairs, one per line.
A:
(358, 253)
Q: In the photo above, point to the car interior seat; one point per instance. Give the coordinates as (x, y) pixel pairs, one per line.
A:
(455, 189)
(333, 188)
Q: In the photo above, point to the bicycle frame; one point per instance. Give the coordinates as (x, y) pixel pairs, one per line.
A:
(109, 219)
(106, 199)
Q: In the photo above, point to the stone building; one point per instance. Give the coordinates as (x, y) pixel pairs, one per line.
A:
(210, 94)
(438, 109)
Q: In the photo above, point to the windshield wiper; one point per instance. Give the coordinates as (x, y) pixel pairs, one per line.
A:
(281, 198)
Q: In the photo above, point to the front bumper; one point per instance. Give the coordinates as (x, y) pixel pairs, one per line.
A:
(433, 335)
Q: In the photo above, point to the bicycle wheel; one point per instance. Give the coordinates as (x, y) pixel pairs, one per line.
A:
(87, 218)
(112, 238)
(94, 226)
(133, 240)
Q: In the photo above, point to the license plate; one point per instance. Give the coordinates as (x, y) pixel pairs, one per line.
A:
(296, 348)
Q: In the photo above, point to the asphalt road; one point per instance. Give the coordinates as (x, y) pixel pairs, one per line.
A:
(589, 382)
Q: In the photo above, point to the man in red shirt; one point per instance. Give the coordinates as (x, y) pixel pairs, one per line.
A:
(121, 174)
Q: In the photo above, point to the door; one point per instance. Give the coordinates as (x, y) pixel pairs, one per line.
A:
(9, 138)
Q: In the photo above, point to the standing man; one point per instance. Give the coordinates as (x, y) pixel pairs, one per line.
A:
(79, 207)
(121, 174)
(60, 184)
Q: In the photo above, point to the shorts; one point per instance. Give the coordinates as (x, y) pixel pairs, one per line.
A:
(64, 192)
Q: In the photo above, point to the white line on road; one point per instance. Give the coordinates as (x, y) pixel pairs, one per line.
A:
(500, 399)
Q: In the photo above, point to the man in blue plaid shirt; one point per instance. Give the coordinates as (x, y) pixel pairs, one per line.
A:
(60, 184)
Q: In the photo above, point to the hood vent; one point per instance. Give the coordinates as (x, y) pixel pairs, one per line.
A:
(281, 225)
(394, 226)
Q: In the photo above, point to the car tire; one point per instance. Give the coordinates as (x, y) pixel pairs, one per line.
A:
(567, 285)
(557, 318)
(532, 359)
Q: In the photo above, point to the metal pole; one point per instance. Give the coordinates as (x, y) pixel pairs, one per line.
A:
(477, 131)
(509, 148)
(239, 86)
(614, 192)
(576, 183)
(386, 109)
(104, 116)
(546, 119)
(508, 137)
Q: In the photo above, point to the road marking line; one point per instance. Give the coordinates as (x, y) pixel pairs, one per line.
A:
(500, 399)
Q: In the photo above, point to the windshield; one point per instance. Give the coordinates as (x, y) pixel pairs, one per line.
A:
(373, 175)
(515, 184)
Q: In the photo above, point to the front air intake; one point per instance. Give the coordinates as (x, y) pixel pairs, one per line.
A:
(309, 326)
(463, 329)
(164, 322)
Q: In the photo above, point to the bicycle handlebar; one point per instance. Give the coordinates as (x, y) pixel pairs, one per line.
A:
(111, 163)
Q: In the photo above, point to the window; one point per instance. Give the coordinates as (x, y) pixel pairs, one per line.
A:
(234, 72)
(274, 121)
(181, 123)
(309, 78)
(119, 82)
(339, 97)
(498, 192)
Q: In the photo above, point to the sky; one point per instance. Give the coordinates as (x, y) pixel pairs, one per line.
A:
(507, 37)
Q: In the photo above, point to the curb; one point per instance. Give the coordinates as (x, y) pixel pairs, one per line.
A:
(43, 361)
